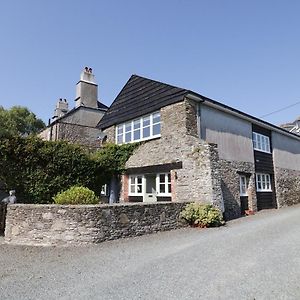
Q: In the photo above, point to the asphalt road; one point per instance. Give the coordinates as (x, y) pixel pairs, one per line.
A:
(256, 257)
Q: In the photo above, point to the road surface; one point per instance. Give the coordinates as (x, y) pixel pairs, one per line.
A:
(256, 257)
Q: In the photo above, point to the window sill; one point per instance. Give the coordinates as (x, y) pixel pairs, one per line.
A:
(255, 149)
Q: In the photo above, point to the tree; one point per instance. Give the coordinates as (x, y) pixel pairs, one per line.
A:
(19, 121)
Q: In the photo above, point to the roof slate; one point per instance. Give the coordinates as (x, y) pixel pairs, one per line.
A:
(138, 97)
(141, 96)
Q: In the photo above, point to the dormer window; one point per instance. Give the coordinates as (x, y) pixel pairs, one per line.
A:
(140, 129)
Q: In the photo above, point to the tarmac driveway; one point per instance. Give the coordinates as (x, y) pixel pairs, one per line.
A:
(256, 257)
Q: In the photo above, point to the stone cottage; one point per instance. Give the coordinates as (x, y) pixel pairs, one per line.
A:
(196, 149)
(78, 125)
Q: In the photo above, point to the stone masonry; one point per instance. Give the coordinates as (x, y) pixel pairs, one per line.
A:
(199, 178)
(287, 186)
(85, 224)
(230, 171)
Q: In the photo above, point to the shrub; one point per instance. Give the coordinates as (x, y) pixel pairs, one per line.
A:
(39, 169)
(202, 215)
(76, 195)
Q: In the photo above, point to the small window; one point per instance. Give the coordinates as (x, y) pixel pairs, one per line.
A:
(104, 190)
(164, 184)
(261, 142)
(243, 185)
(135, 185)
(263, 182)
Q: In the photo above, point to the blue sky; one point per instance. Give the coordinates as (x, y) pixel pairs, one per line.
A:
(242, 53)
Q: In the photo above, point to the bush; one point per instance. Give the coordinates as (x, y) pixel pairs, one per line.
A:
(76, 195)
(202, 215)
(39, 169)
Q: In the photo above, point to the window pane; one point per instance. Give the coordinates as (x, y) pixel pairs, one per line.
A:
(127, 137)
(258, 141)
(139, 180)
(169, 188)
(146, 121)
(120, 139)
(161, 178)
(139, 188)
(128, 127)
(162, 188)
(259, 185)
(120, 129)
(254, 140)
(132, 189)
(136, 124)
(156, 129)
(146, 132)
(156, 118)
(136, 134)
(169, 177)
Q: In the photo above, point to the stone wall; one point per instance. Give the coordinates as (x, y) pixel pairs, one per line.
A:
(287, 184)
(199, 178)
(230, 171)
(84, 224)
(79, 134)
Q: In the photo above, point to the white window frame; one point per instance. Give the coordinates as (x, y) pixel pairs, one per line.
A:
(142, 138)
(103, 190)
(133, 181)
(244, 185)
(166, 184)
(261, 142)
(264, 181)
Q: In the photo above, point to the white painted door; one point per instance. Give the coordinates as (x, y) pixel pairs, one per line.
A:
(150, 194)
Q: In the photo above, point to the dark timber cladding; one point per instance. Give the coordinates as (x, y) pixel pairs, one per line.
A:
(264, 164)
(140, 96)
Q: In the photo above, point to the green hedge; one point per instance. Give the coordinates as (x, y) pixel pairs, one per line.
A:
(39, 169)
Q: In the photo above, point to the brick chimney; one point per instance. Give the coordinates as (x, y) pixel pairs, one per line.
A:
(61, 108)
(87, 89)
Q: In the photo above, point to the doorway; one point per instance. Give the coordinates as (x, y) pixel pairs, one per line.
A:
(150, 194)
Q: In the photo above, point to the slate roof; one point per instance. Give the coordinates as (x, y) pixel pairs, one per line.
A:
(101, 105)
(138, 97)
(141, 96)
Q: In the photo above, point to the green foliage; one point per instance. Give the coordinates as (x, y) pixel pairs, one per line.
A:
(112, 158)
(202, 215)
(76, 195)
(39, 169)
(19, 121)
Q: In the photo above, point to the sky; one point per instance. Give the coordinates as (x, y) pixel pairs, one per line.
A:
(244, 54)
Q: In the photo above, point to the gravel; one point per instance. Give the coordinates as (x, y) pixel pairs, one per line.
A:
(256, 257)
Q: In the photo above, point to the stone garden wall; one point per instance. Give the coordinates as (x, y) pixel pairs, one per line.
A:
(30, 224)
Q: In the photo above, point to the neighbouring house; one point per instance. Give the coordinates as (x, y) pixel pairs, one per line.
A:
(196, 149)
(78, 125)
(293, 127)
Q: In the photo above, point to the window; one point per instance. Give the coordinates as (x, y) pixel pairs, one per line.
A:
(104, 190)
(144, 128)
(136, 185)
(164, 184)
(243, 185)
(261, 142)
(263, 182)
